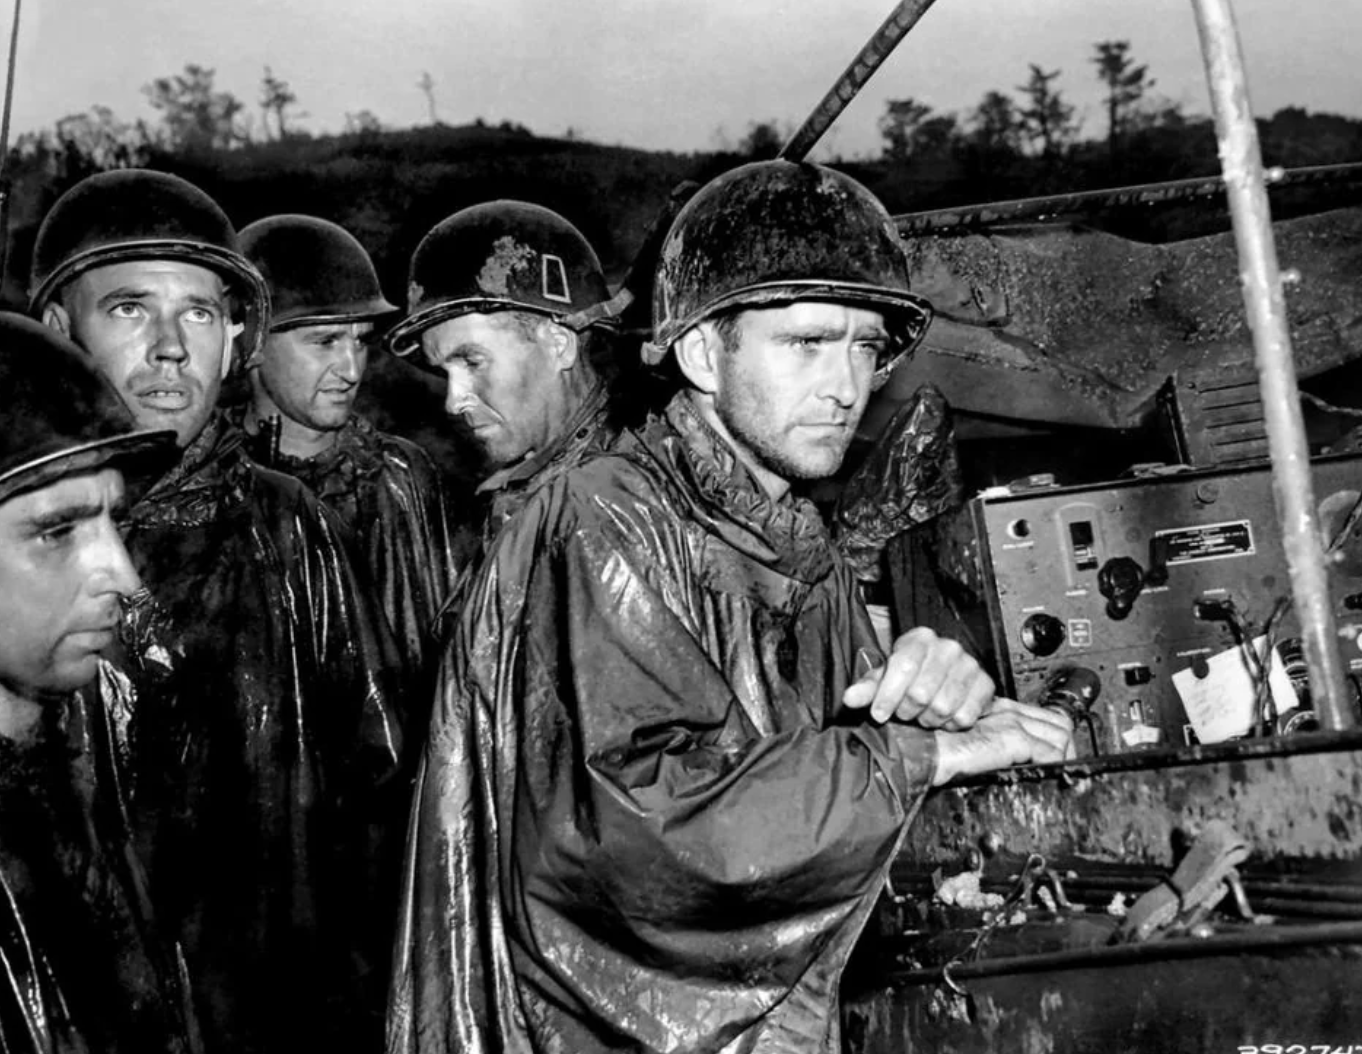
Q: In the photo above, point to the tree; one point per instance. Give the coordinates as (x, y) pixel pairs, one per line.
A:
(275, 98)
(912, 133)
(100, 140)
(997, 126)
(195, 117)
(427, 86)
(1048, 121)
(762, 141)
(1126, 85)
(899, 127)
(362, 122)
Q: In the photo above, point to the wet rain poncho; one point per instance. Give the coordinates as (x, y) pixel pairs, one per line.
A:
(82, 968)
(389, 497)
(641, 822)
(258, 727)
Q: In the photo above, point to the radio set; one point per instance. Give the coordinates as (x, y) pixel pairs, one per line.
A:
(1156, 610)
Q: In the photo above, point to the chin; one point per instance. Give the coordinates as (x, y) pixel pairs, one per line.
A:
(67, 675)
(496, 457)
(187, 429)
(815, 465)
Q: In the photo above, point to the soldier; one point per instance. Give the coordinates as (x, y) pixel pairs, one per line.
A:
(325, 300)
(670, 765)
(83, 968)
(258, 676)
(507, 302)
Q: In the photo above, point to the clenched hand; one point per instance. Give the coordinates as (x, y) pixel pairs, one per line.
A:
(928, 680)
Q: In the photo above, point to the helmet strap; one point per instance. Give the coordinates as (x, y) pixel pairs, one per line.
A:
(612, 308)
(229, 335)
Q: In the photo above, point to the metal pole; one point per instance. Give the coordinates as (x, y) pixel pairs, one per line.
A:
(1018, 210)
(4, 141)
(1241, 162)
(903, 18)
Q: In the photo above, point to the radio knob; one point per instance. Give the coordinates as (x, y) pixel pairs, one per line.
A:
(1120, 581)
(1042, 634)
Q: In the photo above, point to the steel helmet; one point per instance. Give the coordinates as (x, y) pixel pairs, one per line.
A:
(503, 256)
(316, 270)
(773, 232)
(61, 417)
(137, 214)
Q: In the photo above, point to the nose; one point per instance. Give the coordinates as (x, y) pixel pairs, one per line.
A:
(842, 380)
(168, 343)
(350, 362)
(458, 399)
(111, 569)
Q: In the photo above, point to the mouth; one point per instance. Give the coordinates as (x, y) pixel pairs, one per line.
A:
(96, 638)
(470, 425)
(166, 399)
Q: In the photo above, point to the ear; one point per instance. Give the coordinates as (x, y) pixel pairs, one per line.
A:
(234, 330)
(697, 351)
(56, 317)
(563, 345)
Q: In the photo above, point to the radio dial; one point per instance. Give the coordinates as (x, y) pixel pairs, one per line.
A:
(1042, 634)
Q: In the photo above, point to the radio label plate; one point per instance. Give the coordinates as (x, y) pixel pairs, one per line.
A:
(1209, 541)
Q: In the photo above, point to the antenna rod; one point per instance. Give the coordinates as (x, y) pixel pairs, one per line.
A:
(4, 141)
(903, 18)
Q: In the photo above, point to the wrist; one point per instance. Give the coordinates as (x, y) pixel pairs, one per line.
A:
(946, 768)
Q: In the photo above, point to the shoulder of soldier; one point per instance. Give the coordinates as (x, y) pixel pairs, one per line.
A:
(405, 455)
(615, 494)
(288, 508)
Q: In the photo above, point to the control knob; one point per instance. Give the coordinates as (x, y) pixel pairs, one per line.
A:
(1042, 634)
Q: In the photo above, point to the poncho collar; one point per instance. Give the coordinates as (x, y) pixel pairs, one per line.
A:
(335, 472)
(787, 535)
(578, 431)
(193, 491)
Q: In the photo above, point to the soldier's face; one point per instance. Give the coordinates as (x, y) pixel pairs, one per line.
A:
(312, 373)
(160, 331)
(63, 569)
(792, 388)
(503, 389)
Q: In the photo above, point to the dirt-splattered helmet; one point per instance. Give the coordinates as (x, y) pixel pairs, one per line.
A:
(774, 232)
(316, 270)
(502, 256)
(62, 417)
(137, 214)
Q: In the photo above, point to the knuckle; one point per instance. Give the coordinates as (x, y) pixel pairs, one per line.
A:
(921, 633)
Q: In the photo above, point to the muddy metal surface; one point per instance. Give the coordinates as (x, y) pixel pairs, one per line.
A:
(1058, 982)
(1206, 1006)
(1304, 806)
(1079, 326)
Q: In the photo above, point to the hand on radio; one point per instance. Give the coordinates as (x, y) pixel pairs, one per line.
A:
(1010, 733)
(928, 680)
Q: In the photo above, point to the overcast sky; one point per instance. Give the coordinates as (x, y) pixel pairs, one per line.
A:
(661, 74)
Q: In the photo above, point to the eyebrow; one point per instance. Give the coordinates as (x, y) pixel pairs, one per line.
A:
(66, 514)
(467, 347)
(76, 510)
(132, 292)
(834, 331)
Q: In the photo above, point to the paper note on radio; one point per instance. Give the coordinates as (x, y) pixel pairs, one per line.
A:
(1220, 705)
